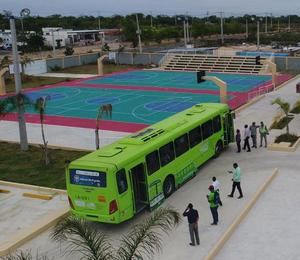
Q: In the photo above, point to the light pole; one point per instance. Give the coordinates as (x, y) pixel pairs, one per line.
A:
(18, 85)
(258, 35)
(138, 32)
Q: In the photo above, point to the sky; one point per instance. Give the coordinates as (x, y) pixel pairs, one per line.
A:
(155, 7)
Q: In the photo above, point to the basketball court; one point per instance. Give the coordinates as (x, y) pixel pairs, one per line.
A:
(139, 98)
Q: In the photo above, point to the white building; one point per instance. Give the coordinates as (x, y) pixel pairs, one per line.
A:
(62, 37)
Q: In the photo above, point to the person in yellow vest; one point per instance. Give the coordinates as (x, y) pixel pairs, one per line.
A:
(213, 204)
(263, 132)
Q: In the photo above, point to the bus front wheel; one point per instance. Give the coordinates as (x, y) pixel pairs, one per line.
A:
(169, 186)
(218, 149)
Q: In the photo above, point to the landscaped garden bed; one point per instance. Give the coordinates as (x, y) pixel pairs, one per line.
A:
(29, 167)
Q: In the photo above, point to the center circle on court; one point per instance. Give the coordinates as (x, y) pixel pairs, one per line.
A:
(102, 100)
(169, 106)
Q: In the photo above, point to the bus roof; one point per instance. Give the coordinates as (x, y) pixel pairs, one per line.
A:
(162, 132)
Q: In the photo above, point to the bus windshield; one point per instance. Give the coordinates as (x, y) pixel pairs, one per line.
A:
(88, 178)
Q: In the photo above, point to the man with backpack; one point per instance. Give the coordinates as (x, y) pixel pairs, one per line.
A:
(213, 200)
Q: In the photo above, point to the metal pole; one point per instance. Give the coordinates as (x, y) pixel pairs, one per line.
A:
(139, 33)
(184, 33)
(151, 21)
(266, 25)
(187, 31)
(99, 23)
(53, 42)
(258, 35)
(278, 25)
(247, 29)
(289, 28)
(222, 33)
(18, 87)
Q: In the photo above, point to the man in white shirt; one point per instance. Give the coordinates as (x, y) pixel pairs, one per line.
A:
(247, 135)
(216, 185)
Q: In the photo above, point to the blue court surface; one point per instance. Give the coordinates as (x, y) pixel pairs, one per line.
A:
(181, 80)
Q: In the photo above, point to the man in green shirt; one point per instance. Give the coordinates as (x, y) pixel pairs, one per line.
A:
(236, 180)
(213, 205)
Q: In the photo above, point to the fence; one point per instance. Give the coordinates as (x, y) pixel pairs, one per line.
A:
(71, 61)
(288, 63)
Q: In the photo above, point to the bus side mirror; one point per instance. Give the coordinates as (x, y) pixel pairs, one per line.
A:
(67, 161)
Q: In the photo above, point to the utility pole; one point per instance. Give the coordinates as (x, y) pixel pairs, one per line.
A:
(222, 33)
(138, 32)
(266, 25)
(258, 47)
(187, 30)
(247, 28)
(184, 32)
(151, 19)
(99, 22)
(278, 25)
(289, 28)
(271, 21)
(18, 86)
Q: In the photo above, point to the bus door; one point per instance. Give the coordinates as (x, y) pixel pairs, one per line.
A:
(228, 128)
(139, 186)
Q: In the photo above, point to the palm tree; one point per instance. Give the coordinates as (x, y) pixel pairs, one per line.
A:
(285, 107)
(103, 109)
(17, 102)
(40, 106)
(142, 241)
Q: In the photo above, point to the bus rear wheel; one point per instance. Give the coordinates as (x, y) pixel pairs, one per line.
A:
(218, 148)
(169, 186)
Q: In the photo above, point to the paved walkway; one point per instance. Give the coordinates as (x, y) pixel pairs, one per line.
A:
(269, 232)
(66, 75)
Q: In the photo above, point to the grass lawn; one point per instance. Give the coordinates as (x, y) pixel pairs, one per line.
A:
(93, 69)
(32, 82)
(28, 167)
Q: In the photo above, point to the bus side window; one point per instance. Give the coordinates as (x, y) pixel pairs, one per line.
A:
(166, 154)
(195, 136)
(181, 144)
(207, 129)
(217, 124)
(152, 161)
(122, 181)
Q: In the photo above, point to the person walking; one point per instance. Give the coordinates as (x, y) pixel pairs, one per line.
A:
(247, 135)
(216, 185)
(263, 132)
(193, 217)
(253, 131)
(238, 140)
(213, 204)
(236, 181)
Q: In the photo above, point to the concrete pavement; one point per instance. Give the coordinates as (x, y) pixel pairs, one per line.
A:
(270, 230)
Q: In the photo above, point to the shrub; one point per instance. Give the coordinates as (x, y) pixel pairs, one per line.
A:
(55, 68)
(290, 138)
(69, 51)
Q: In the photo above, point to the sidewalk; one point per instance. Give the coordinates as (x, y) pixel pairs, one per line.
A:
(269, 232)
(65, 75)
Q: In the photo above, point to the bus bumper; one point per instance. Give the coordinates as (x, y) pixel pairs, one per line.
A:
(113, 218)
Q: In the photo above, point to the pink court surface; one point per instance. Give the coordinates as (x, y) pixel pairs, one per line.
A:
(139, 98)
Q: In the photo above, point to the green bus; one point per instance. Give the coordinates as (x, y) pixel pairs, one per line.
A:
(139, 171)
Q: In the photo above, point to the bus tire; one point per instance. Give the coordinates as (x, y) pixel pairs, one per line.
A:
(169, 186)
(218, 148)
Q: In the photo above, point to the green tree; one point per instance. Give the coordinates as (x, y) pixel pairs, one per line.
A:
(285, 107)
(144, 239)
(34, 42)
(17, 102)
(69, 51)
